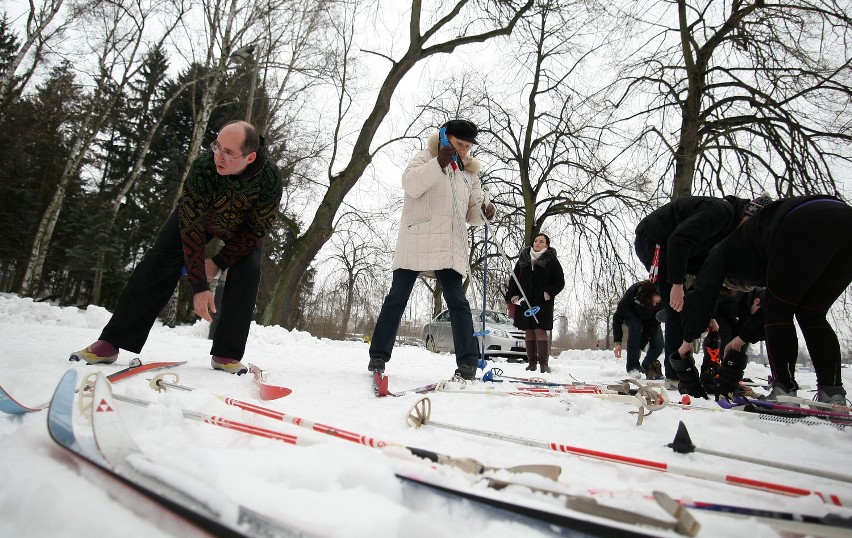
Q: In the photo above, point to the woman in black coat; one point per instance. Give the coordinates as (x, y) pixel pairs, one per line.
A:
(540, 275)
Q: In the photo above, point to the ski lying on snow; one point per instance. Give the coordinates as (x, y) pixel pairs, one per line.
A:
(768, 408)
(11, 406)
(268, 391)
(602, 523)
(135, 369)
(116, 447)
(595, 526)
(813, 404)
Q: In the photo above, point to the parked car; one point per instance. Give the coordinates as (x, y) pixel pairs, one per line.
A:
(503, 339)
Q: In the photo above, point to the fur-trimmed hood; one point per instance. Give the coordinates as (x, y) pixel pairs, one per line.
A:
(472, 165)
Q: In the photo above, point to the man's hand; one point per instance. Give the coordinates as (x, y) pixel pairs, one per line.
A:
(736, 344)
(210, 269)
(617, 351)
(204, 304)
(445, 155)
(676, 297)
(489, 210)
(714, 326)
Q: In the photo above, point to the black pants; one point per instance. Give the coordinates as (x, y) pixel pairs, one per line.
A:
(809, 266)
(674, 327)
(461, 321)
(151, 286)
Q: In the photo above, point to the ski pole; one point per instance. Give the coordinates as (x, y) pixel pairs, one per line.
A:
(466, 464)
(682, 444)
(420, 414)
(531, 310)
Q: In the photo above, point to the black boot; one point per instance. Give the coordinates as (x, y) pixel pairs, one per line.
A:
(543, 356)
(531, 355)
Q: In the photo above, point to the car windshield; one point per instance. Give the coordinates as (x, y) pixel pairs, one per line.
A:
(492, 316)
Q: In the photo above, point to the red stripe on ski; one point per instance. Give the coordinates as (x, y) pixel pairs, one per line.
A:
(133, 370)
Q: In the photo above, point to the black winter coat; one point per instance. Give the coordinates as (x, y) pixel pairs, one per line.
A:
(743, 255)
(545, 275)
(687, 228)
(630, 303)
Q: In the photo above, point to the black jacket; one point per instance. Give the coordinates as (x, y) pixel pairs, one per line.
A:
(687, 228)
(742, 255)
(545, 275)
(630, 303)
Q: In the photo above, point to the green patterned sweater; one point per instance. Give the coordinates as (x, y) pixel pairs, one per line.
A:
(238, 209)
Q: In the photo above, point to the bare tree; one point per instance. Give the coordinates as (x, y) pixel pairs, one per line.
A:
(482, 21)
(745, 95)
(357, 250)
(548, 170)
(118, 49)
(39, 34)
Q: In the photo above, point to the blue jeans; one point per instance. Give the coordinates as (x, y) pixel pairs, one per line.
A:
(639, 332)
(387, 326)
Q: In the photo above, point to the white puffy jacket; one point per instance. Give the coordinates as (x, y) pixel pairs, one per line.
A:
(433, 235)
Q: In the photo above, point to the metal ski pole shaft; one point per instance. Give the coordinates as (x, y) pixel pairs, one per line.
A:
(530, 307)
(419, 414)
(466, 464)
(683, 445)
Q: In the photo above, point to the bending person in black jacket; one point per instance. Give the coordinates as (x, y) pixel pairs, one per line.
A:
(800, 249)
(638, 309)
(541, 277)
(685, 230)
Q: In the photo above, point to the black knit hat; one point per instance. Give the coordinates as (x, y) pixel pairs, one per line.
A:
(463, 130)
(757, 204)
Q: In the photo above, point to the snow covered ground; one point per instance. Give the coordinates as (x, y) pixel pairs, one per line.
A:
(339, 488)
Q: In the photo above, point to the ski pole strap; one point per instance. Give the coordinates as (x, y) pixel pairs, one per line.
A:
(532, 311)
(654, 275)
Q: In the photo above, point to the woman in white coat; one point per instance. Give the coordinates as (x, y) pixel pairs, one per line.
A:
(443, 195)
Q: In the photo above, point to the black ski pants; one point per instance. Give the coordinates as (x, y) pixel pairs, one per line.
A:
(673, 328)
(154, 279)
(809, 266)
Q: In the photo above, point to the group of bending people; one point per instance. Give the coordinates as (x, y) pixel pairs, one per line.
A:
(760, 263)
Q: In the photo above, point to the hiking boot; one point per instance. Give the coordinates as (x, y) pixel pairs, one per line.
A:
(376, 363)
(634, 373)
(654, 370)
(780, 390)
(101, 352)
(232, 366)
(466, 371)
(835, 395)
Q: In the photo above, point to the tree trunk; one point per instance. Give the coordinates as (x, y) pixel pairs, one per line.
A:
(280, 308)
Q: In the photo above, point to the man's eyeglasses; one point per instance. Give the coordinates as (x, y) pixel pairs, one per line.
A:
(226, 153)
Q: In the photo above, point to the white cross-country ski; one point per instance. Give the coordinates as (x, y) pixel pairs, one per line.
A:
(187, 516)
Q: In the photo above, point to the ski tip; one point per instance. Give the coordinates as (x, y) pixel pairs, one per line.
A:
(267, 390)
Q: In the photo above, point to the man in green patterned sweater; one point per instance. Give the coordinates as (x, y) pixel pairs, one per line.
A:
(232, 193)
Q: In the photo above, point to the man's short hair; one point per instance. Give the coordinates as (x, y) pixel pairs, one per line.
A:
(252, 138)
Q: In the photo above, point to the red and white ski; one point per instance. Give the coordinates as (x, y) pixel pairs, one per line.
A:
(11, 406)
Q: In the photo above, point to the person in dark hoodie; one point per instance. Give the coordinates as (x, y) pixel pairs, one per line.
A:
(679, 235)
(232, 193)
(800, 250)
(638, 309)
(541, 278)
